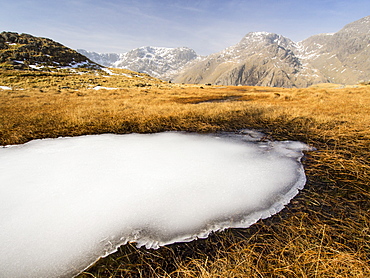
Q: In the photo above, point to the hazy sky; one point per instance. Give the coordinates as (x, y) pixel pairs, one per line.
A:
(206, 26)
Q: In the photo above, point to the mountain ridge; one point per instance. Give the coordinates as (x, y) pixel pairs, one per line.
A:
(268, 59)
(260, 58)
(265, 59)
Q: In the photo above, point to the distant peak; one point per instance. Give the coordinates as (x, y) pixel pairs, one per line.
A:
(256, 38)
(259, 34)
(273, 37)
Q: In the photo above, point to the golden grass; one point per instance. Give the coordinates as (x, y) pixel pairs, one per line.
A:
(323, 232)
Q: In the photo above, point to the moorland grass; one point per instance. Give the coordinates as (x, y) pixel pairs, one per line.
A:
(323, 232)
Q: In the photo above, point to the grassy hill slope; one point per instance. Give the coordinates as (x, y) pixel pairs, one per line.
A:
(24, 51)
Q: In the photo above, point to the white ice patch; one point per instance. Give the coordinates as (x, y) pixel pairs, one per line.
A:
(105, 88)
(66, 202)
(36, 67)
(107, 70)
(5, 88)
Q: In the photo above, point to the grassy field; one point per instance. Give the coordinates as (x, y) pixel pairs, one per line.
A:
(323, 232)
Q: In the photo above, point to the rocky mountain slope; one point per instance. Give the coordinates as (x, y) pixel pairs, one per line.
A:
(343, 57)
(268, 59)
(158, 62)
(260, 58)
(23, 51)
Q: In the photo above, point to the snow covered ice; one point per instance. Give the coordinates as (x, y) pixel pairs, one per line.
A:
(66, 202)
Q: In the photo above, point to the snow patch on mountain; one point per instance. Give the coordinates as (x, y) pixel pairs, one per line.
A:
(160, 62)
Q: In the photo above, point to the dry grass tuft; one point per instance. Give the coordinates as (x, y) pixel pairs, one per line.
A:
(323, 232)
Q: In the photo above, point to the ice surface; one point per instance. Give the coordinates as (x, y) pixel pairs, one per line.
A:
(102, 87)
(66, 202)
(5, 88)
(36, 67)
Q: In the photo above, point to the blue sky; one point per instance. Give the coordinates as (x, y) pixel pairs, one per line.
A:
(206, 26)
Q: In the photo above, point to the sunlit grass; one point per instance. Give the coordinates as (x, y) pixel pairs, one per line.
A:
(324, 232)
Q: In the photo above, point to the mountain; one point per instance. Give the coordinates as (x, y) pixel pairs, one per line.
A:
(23, 51)
(104, 59)
(260, 58)
(161, 62)
(268, 59)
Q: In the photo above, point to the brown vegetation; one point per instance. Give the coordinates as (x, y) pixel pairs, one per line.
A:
(21, 50)
(324, 232)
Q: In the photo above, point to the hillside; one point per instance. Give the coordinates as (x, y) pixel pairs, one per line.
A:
(23, 51)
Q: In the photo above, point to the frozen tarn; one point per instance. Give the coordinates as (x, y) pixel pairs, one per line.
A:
(66, 202)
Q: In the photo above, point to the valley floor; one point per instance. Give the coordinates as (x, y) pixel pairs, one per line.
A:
(324, 231)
